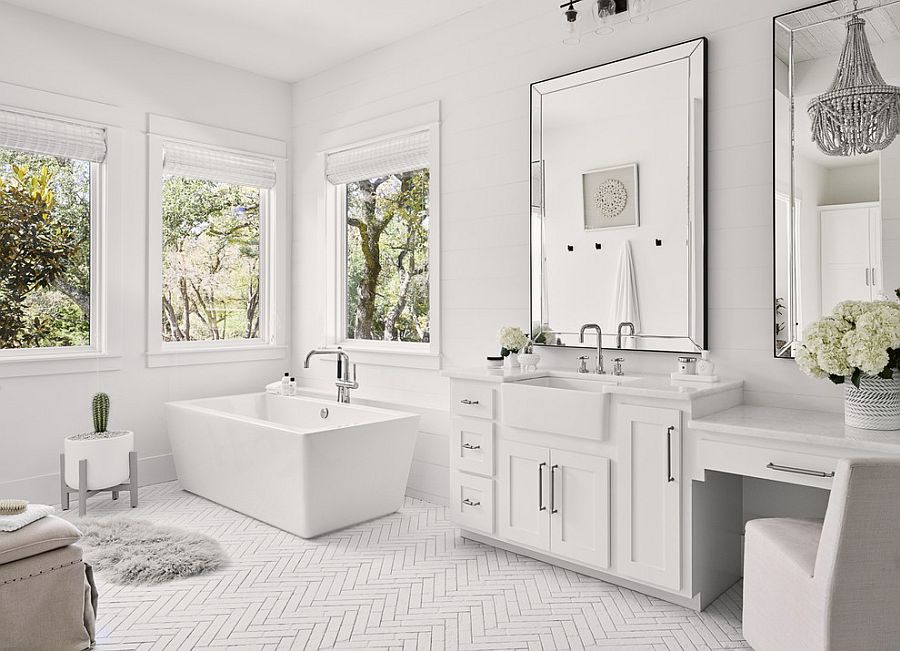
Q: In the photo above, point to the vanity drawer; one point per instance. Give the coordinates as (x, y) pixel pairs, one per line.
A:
(472, 502)
(474, 399)
(472, 446)
(768, 463)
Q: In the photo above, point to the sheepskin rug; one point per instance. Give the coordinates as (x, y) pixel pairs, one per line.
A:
(131, 551)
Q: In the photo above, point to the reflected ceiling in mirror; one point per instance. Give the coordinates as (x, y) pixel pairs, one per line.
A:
(836, 216)
(617, 202)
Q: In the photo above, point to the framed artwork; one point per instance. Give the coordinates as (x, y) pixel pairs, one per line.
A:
(611, 197)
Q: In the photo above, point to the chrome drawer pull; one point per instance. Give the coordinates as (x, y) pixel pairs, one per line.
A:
(553, 508)
(799, 471)
(469, 446)
(541, 467)
(466, 401)
(469, 502)
(669, 477)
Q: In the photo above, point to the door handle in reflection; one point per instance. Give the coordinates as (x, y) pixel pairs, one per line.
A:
(469, 502)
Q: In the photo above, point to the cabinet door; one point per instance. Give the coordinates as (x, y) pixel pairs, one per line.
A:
(846, 256)
(579, 507)
(649, 506)
(523, 482)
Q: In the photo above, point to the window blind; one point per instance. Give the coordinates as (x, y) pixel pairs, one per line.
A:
(216, 165)
(52, 137)
(392, 155)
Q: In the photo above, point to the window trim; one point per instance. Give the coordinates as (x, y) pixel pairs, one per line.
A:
(376, 352)
(271, 344)
(102, 353)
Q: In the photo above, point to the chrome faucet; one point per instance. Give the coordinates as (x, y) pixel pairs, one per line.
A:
(344, 384)
(594, 326)
(622, 326)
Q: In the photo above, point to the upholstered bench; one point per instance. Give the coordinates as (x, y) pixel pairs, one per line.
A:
(47, 594)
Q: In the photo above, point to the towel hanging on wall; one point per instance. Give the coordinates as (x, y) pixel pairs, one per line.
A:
(625, 306)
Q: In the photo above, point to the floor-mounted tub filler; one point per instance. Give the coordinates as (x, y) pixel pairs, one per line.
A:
(305, 465)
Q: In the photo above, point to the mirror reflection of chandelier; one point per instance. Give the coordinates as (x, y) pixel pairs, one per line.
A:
(860, 112)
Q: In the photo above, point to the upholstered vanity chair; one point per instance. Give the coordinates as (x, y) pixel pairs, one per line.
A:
(834, 585)
(47, 597)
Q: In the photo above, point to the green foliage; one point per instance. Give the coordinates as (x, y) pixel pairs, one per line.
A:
(100, 412)
(210, 260)
(387, 258)
(44, 250)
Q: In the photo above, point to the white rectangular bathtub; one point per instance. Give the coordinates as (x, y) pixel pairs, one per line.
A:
(305, 465)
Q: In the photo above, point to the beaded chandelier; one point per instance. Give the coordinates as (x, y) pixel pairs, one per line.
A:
(860, 112)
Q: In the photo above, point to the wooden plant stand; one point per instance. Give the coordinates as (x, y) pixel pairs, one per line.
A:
(83, 493)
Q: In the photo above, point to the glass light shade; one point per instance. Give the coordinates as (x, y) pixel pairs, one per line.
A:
(639, 10)
(603, 11)
(571, 29)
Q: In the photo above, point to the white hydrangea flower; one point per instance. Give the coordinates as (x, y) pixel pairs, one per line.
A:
(512, 338)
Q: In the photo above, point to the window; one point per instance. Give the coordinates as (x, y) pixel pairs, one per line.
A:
(49, 229)
(214, 210)
(386, 238)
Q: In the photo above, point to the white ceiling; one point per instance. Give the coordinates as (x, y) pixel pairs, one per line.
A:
(283, 39)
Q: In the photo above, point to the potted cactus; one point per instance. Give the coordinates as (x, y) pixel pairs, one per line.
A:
(105, 450)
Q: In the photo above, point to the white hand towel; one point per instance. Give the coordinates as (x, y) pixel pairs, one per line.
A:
(31, 513)
(625, 306)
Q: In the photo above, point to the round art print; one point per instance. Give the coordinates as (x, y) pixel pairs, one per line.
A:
(611, 197)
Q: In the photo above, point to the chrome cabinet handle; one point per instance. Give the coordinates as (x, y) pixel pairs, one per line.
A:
(799, 471)
(469, 446)
(466, 401)
(669, 477)
(469, 502)
(553, 508)
(541, 506)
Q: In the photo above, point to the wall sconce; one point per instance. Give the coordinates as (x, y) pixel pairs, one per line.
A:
(603, 12)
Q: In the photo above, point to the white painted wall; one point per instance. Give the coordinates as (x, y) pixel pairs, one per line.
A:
(480, 66)
(129, 80)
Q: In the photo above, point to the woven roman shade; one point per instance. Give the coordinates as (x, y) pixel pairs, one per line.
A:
(51, 137)
(216, 165)
(389, 156)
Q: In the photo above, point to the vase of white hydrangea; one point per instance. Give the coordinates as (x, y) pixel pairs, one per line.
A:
(512, 340)
(860, 342)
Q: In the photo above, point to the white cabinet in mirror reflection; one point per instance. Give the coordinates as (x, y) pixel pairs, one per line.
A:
(851, 254)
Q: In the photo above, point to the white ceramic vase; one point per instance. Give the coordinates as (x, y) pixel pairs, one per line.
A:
(874, 405)
(529, 361)
(107, 459)
(511, 361)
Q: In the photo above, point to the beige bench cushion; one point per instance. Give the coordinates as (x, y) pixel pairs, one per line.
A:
(36, 538)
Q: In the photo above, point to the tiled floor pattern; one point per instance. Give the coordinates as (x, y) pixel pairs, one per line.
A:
(406, 581)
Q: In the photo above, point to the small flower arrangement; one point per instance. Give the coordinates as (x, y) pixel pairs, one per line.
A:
(512, 340)
(858, 338)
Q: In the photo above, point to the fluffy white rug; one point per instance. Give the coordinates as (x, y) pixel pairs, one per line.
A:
(126, 550)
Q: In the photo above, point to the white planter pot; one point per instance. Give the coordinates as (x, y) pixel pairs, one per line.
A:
(107, 459)
(529, 361)
(511, 361)
(874, 405)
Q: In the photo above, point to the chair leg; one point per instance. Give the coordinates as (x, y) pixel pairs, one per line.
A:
(115, 495)
(82, 487)
(64, 490)
(133, 492)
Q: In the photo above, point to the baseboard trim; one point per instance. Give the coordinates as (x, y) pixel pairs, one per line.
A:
(44, 489)
(440, 500)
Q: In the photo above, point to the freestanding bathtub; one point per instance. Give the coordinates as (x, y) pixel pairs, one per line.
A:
(305, 465)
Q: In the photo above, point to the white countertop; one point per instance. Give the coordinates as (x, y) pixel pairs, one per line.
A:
(648, 386)
(819, 427)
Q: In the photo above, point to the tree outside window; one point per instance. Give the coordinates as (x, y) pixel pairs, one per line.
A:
(211, 260)
(45, 251)
(387, 257)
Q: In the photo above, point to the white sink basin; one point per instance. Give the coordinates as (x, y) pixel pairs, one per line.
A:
(572, 406)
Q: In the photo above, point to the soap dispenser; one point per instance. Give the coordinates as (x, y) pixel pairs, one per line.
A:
(704, 366)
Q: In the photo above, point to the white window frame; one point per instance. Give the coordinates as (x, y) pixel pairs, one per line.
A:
(272, 342)
(104, 350)
(374, 352)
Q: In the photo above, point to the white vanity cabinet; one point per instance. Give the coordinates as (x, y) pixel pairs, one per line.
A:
(554, 501)
(649, 522)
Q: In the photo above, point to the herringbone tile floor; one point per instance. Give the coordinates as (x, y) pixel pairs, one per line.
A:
(406, 581)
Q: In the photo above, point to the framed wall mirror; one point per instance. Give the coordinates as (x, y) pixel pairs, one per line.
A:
(618, 203)
(837, 163)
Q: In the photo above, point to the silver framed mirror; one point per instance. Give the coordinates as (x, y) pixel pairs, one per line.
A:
(618, 203)
(836, 214)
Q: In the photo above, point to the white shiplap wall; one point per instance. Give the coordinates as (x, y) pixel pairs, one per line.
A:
(479, 67)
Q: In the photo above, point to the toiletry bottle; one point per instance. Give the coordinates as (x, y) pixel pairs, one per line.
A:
(293, 387)
(286, 384)
(704, 366)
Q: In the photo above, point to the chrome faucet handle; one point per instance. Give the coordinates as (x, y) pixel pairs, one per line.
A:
(617, 368)
(583, 367)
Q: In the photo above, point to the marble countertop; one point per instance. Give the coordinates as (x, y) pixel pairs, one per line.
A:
(647, 386)
(797, 425)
